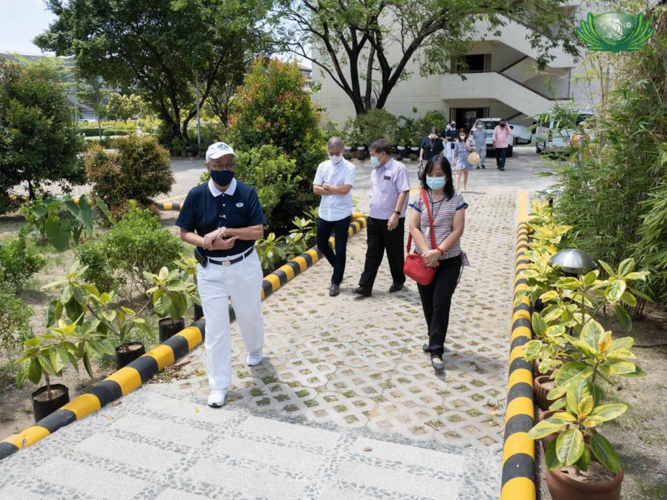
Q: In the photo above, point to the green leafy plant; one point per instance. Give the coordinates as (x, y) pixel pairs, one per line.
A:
(579, 439)
(19, 260)
(172, 295)
(14, 323)
(270, 250)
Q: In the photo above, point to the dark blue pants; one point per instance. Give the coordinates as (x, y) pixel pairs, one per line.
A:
(501, 155)
(339, 229)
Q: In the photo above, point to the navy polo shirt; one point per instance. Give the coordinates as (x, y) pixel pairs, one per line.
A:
(206, 208)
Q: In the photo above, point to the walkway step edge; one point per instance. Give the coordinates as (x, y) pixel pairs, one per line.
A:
(137, 373)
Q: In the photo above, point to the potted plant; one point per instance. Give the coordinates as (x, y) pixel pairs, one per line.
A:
(189, 267)
(171, 296)
(581, 463)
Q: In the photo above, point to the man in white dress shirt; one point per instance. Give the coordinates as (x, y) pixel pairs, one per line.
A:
(334, 181)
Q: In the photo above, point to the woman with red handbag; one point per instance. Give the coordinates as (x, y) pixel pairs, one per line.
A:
(436, 224)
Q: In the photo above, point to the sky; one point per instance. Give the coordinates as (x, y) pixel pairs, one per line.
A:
(20, 22)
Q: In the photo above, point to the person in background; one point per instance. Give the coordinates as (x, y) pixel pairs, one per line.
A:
(334, 181)
(502, 138)
(479, 142)
(448, 214)
(449, 138)
(222, 218)
(462, 148)
(431, 146)
(390, 185)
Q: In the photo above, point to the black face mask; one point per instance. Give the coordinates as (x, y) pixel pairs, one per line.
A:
(222, 178)
(502, 124)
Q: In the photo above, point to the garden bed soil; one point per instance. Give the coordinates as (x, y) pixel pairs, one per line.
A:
(639, 436)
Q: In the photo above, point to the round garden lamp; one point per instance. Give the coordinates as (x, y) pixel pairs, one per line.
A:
(573, 261)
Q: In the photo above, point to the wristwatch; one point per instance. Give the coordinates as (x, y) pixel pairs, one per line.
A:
(223, 232)
(326, 186)
(397, 212)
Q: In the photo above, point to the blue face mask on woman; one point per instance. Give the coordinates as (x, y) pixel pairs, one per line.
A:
(435, 182)
(222, 177)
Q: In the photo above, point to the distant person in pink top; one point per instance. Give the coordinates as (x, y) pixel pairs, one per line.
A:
(502, 138)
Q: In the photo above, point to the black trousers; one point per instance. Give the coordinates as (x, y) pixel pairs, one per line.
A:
(380, 238)
(337, 260)
(437, 300)
(501, 156)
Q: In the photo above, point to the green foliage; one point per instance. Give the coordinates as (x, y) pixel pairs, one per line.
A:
(140, 170)
(274, 176)
(60, 220)
(124, 107)
(273, 108)
(430, 119)
(159, 48)
(38, 141)
(92, 255)
(615, 194)
(14, 322)
(172, 294)
(362, 130)
(19, 260)
(275, 250)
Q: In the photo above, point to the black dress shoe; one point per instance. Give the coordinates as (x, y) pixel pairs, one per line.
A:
(425, 347)
(363, 291)
(334, 290)
(395, 288)
(438, 366)
(483, 167)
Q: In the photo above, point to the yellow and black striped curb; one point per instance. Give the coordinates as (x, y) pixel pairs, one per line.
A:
(135, 374)
(518, 474)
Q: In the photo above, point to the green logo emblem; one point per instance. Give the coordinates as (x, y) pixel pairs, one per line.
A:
(615, 32)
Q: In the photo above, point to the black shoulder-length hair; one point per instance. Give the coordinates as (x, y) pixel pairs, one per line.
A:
(446, 169)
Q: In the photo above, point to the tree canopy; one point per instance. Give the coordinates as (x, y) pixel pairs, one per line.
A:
(154, 48)
(365, 46)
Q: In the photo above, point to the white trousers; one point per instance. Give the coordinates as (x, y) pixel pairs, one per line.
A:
(242, 283)
(449, 151)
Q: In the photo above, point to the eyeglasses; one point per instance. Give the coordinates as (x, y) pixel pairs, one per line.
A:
(223, 168)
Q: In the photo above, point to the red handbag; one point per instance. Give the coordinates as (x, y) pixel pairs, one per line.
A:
(414, 266)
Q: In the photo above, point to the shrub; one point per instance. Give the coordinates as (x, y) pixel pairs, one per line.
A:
(14, 322)
(19, 260)
(93, 253)
(273, 108)
(430, 119)
(138, 243)
(38, 141)
(275, 177)
(107, 132)
(362, 130)
(139, 171)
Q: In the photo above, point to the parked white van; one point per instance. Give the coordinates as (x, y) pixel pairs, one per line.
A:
(551, 139)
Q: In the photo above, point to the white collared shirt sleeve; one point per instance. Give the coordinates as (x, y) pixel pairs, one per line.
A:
(351, 174)
(319, 176)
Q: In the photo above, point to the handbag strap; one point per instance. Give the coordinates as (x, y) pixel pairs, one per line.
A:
(430, 222)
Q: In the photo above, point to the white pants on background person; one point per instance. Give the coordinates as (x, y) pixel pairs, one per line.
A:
(448, 152)
(217, 284)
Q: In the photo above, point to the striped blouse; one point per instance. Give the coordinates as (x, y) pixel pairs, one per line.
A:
(443, 220)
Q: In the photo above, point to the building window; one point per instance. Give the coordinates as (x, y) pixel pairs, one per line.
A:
(475, 63)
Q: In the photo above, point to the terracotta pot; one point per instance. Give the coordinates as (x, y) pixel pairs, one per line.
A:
(563, 487)
(541, 390)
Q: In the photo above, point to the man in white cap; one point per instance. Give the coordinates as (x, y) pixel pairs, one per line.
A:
(223, 218)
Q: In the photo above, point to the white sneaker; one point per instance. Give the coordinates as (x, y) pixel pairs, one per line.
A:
(217, 398)
(253, 359)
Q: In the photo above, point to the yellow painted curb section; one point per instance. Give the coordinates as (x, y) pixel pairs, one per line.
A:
(520, 315)
(274, 280)
(519, 406)
(519, 443)
(302, 263)
(520, 331)
(518, 488)
(193, 335)
(289, 272)
(127, 378)
(523, 206)
(83, 405)
(163, 354)
(521, 375)
(261, 292)
(313, 254)
(517, 352)
(28, 437)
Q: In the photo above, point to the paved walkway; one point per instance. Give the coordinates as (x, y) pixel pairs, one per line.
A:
(344, 406)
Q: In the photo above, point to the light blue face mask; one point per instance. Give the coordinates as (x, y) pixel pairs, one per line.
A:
(374, 161)
(435, 182)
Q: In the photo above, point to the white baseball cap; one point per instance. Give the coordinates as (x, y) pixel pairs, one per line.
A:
(218, 150)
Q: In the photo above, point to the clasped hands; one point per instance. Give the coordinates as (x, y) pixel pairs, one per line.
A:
(431, 258)
(217, 240)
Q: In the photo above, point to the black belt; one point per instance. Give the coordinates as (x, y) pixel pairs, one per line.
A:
(227, 262)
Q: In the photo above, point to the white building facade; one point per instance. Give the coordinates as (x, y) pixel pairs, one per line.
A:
(502, 81)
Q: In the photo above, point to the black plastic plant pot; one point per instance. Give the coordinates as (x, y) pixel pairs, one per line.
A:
(538, 306)
(169, 328)
(127, 353)
(199, 312)
(42, 406)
